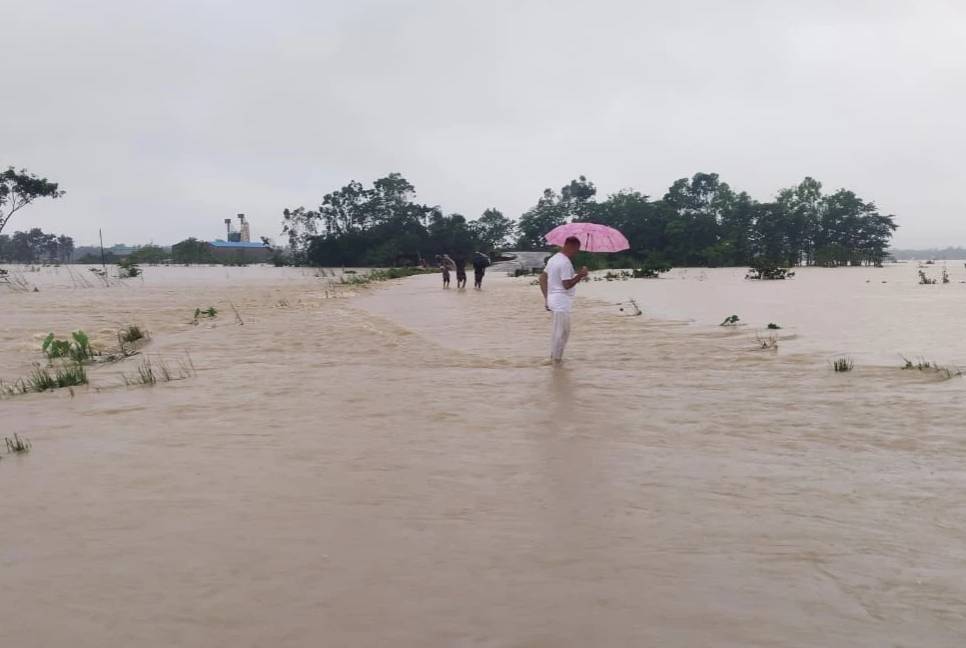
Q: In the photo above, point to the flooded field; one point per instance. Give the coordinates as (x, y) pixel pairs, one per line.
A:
(397, 466)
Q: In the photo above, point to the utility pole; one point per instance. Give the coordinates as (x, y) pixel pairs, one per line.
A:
(101, 236)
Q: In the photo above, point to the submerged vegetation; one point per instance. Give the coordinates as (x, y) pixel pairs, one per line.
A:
(764, 271)
(355, 279)
(926, 366)
(128, 268)
(153, 372)
(843, 364)
(46, 378)
(17, 445)
(208, 313)
(77, 349)
(731, 320)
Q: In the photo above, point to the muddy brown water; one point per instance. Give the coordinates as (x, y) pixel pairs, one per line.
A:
(398, 467)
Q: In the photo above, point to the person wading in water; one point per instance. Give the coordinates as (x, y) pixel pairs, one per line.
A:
(558, 283)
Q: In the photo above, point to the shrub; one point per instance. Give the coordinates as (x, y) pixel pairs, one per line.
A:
(128, 269)
(773, 327)
(77, 349)
(925, 280)
(767, 271)
(651, 270)
(731, 320)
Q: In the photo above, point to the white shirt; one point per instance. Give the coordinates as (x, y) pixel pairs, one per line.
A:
(559, 268)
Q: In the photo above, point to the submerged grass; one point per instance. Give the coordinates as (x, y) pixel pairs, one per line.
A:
(355, 279)
(153, 372)
(843, 364)
(926, 366)
(17, 445)
(43, 379)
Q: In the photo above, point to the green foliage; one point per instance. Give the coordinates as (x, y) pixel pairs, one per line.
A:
(191, 250)
(842, 365)
(128, 268)
(130, 335)
(36, 246)
(767, 271)
(148, 254)
(20, 188)
(773, 327)
(77, 349)
(207, 313)
(731, 320)
(355, 279)
(41, 379)
(699, 221)
(651, 270)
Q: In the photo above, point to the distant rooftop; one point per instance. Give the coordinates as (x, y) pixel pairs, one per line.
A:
(238, 245)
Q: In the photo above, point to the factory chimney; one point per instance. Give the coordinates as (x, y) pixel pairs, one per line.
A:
(245, 231)
(228, 229)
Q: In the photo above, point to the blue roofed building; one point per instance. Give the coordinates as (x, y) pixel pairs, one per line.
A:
(240, 251)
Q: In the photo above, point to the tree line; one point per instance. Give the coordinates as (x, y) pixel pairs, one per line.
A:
(36, 246)
(700, 221)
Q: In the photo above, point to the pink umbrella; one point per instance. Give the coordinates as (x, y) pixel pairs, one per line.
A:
(593, 237)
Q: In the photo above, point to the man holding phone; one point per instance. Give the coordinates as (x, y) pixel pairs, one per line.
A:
(558, 283)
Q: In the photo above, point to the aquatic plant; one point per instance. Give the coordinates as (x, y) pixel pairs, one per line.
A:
(128, 269)
(17, 445)
(945, 276)
(925, 280)
(207, 313)
(774, 327)
(77, 349)
(767, 271)
(769, 343)
(356, 279)
(651, 270)
(131, 333)
(930, 367)
(843, 364)
(731, 320)
(151, 373)
(41, 379)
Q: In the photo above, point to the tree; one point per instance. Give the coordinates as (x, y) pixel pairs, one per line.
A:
(148, 254)
(492, 230)
(20, 188)
(191, 250)
(548, 213)
(65, 248)
(577, 198)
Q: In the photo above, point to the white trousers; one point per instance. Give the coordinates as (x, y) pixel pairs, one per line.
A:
(561, 333)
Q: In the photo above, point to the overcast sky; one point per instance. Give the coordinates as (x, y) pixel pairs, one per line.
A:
(161, 119)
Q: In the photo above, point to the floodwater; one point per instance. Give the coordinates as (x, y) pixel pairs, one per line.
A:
(397, 466)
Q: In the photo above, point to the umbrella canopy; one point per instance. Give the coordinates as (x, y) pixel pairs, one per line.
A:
(593, 237)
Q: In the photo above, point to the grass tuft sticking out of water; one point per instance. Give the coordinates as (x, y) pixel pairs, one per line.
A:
(17, 445)
(925, 366)
(152, 373)
(731, 320)
(768, 343)
(843, 364)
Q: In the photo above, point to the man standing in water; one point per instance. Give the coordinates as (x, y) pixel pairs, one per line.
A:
(558, 283)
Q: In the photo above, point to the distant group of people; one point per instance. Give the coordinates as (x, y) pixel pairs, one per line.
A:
(448, 264)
